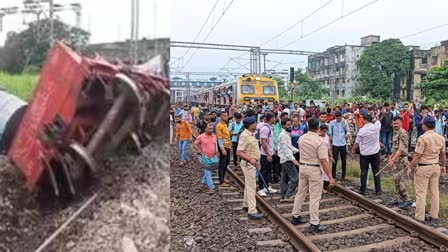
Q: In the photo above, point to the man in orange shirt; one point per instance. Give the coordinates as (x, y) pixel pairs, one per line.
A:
(224, 144)
(184, 134)
(406, 115)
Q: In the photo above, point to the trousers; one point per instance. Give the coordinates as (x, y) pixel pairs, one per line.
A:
(235, 157)
(386, 139)
(288, 182)
(399, 173)
(250, 187)
(183, 144)
(426, 178)
(207, 179)
(265, 171)
(223, 163)
(310, 179)
(375, 162)
(339, 151)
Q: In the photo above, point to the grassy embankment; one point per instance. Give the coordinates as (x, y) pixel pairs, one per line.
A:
(388, 185)
(21, 85)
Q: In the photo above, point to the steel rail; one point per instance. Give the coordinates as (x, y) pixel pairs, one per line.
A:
(410, 225)
(296, 238)
(65, 224)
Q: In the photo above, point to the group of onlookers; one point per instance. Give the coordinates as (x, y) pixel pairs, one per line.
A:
(269, 141)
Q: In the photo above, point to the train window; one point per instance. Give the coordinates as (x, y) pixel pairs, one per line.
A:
(269, 90)
(245, 89)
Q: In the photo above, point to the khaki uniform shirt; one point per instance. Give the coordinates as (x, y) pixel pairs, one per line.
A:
(429, 145)
(312, 148)
(248, 144)
(400, 141)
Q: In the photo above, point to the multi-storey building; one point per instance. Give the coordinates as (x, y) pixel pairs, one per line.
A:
(422, 62)
(336, 67)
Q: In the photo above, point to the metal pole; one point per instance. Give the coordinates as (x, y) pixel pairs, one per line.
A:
(155, 19)
(131, 40)
(137, 22)
(259, 61)
(264, 62)
(188, 88)
(51, 22)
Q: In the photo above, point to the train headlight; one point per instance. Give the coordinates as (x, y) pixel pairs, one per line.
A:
(246, 99)
(271, 99)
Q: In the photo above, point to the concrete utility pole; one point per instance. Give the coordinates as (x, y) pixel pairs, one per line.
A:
(133, 42)
(51, 22)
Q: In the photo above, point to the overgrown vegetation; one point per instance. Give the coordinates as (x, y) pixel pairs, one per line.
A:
(382, 66)
(28, 49)
(435, 86)
(20, 85)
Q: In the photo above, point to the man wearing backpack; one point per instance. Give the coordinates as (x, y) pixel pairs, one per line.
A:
(234, 128)
(267, 153)
(339, 133)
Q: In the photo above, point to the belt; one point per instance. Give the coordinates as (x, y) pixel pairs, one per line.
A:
(419, 164)
(315, 165)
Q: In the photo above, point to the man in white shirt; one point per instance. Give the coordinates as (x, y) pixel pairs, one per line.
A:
(287, 110)
(368, 141)
(286, 151)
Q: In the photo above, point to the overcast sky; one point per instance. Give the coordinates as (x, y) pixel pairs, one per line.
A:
(252, 22)
(107, 20)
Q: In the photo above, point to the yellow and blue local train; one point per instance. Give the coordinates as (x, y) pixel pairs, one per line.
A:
(249, 88)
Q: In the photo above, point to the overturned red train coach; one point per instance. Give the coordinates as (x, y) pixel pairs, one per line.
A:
(81, 109)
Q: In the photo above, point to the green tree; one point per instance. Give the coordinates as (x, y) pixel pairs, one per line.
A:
(30, 47)
(435, 86)
(282, 93)
(381, 67)
(307, 88)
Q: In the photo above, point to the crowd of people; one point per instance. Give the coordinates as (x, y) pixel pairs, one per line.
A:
(294, 144)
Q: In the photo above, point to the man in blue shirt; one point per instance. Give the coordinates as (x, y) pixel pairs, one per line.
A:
(234, 129)
(418, 119)
(339, 132)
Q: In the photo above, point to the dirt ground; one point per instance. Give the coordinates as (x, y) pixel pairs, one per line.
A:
(131, 212)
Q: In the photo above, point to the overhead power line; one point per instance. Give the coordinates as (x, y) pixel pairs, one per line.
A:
(330, 23)
(200, 30)
(210, 32)
(423, 31)
(287, 29)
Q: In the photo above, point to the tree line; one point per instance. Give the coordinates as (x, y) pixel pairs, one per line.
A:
(26, 51)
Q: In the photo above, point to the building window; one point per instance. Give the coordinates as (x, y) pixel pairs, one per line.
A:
(343, 93)
(424, 60)
(434, 60)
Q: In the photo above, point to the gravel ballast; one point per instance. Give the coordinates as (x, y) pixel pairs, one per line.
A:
(129, 214)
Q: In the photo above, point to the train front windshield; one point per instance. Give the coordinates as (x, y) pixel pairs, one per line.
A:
(269, 90)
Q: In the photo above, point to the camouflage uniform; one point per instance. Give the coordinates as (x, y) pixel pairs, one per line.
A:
(400, 142)
(351, 124)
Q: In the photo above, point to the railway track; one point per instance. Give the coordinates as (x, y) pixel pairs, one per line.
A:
(353, 220)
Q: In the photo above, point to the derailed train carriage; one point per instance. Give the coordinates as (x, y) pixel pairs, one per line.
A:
(82, 110)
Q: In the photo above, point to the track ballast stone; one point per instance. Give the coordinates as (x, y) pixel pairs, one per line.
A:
(130, 212)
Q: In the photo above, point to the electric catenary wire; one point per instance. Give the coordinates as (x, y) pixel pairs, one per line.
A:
(200, 30)
(211, 30)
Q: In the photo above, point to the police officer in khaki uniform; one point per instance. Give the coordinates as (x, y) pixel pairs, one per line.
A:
(430, 163)
(249, 153)
(312, 156)
(398, 161)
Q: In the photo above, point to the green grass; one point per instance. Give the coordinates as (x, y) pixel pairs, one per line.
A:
(21, 85)
(388, 185)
